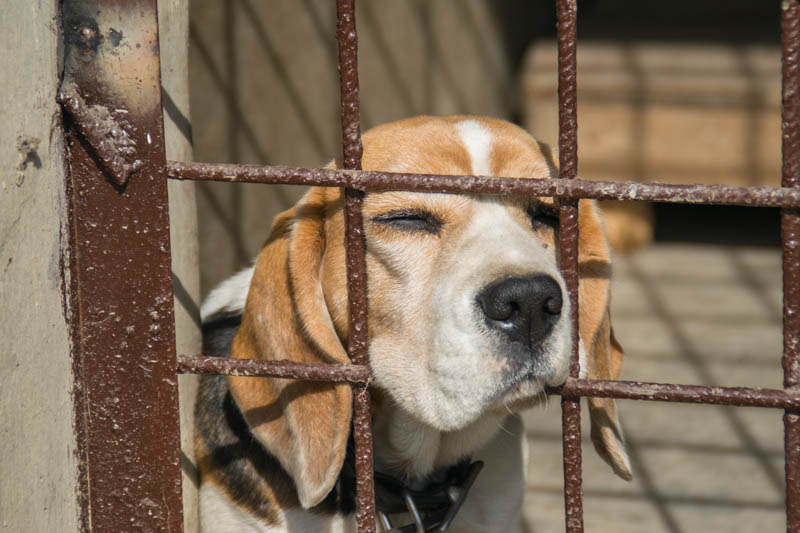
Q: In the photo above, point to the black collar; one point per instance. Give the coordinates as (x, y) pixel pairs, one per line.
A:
(432, 508)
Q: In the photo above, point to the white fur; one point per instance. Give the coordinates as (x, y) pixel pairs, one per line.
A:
(229, 296)
(495, 501)
(478, 142)
(219, 514)
(447, 376)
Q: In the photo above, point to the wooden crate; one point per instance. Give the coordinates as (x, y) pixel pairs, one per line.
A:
(679, 113)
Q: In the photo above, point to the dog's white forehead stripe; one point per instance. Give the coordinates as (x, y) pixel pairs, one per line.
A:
(478, 142)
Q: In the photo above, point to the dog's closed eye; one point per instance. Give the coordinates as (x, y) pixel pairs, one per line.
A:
(543, 217)
(416, 220)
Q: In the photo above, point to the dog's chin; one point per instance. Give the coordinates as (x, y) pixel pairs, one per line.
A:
(517, 391)
(523, 383)
(467, 382)
(529, 389)
(521, 396)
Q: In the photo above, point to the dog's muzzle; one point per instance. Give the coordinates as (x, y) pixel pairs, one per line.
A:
(525, 309)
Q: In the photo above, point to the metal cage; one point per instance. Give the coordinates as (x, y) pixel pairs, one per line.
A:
(120, 264)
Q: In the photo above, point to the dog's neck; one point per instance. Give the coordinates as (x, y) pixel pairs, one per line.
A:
(407, 448)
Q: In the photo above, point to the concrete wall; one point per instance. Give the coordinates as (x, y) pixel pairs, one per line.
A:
(173, 21)
(265, 89)
(37, 465)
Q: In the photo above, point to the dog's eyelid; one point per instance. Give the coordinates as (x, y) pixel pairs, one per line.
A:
(544, 215)
(403, 214)
(541, 208)
(411, 220)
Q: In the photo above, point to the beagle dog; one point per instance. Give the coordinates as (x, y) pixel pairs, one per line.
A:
(468, 323)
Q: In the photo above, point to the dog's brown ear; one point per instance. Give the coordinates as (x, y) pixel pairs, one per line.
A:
(603, 353)
(304, 424)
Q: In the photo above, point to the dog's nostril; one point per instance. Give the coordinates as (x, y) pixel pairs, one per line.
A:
(524, 308)
(506, 311)
(553, 305)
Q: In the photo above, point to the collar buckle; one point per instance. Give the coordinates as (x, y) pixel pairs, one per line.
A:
(440, 516)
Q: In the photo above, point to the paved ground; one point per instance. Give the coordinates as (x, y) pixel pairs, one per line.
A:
(684, 314)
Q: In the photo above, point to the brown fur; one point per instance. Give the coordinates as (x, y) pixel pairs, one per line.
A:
(305, 424)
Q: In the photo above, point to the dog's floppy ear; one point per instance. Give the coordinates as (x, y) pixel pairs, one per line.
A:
(304, 424)
(604, 354)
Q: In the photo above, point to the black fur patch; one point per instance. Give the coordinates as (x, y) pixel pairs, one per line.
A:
(218, 333)
(238, 461)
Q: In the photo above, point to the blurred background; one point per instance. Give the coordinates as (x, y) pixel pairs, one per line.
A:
(681, 92)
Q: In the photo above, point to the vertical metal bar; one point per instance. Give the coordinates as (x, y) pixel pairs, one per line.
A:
(348, 73)
(568, 165)
(356, 263)
(790, 234)
(120, 280)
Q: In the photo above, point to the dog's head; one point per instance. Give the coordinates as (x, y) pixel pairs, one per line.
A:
(468, 312)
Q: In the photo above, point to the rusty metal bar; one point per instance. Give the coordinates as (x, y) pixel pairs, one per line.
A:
(574, 188)
(356, 262)
(108, 138)
(126, 392)
(671, 392)
(198, 364)
(573, 388)
(790, 235)
(568, 251)
(348, 75)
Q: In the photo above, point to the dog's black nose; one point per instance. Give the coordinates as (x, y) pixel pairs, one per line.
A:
(524, 308)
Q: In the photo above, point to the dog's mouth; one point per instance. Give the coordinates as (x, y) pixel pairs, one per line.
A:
(544, 363)
(530, 374)
(521, 395)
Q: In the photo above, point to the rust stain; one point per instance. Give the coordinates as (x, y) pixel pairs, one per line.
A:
(574, 188)
(790, 235)
(277, 369)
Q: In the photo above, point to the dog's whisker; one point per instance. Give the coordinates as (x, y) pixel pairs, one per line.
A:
(503, 428)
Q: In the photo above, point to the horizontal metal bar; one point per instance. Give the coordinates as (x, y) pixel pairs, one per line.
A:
(573, 388)
(669, 392)
(574, 188)
(198, 364)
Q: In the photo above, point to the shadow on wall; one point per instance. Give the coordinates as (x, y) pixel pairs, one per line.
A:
(265, 90)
